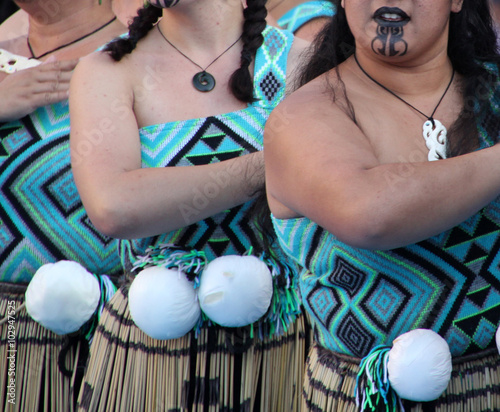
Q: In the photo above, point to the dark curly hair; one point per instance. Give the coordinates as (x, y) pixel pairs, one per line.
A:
(241, 82)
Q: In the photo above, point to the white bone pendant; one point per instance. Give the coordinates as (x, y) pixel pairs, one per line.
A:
(435, 139)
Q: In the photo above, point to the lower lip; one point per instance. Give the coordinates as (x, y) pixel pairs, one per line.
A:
(391, 23)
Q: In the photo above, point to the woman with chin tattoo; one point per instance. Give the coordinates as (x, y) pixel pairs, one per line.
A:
(181, 104)
(384, 187)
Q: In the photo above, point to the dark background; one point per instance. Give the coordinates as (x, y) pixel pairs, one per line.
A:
(7, 7)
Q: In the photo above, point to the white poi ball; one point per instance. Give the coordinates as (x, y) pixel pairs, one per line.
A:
(419, 365)
(235, 290)
(62, 296)
(163, 303)
(497, 338)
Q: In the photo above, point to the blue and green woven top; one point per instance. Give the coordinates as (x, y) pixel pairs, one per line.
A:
(213, 139)
(42, 219)
(449, 283)
(295, 18)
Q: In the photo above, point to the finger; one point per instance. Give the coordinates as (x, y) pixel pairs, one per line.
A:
(45, 99)
(44, 87)
(58, 65)
(52, 76)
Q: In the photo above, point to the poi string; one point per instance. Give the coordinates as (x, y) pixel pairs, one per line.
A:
(434, 131)
(202, 81)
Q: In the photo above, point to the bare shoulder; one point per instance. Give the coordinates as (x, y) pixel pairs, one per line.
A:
(100, 66)
(98, 81)
(311, 101)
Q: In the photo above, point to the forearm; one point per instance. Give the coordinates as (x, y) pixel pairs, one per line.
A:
(393, 205)
(150, 201)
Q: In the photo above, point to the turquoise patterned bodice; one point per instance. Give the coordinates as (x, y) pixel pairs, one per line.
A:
(449, 283)
(362, 298)
(42, 219)
(295, 18)
(213, 139)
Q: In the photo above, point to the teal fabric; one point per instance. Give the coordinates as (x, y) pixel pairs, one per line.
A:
(295, 18)
(42, 219)
(214, 139)
(449, 283)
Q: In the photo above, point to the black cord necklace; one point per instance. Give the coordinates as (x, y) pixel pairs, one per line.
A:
(67, 44)
(433, 130)
(202, 81)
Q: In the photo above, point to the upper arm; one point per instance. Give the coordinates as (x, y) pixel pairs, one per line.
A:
(104, 131)
(313, 153)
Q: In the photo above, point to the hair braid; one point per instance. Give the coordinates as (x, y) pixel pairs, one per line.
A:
(241, 82)
(138, 28)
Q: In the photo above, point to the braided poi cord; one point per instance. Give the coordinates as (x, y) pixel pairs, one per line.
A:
(170, 256)
(372, 382)
(285, 302)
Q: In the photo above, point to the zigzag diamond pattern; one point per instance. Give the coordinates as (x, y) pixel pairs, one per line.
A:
(209, 140)
(347, 277)
(450, 284)
(324, 303)
(384, 302)
(214, 139)
(42, 218)
(354, 335)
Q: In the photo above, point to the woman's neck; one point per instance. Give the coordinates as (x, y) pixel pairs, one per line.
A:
(277, 8)
(419, 79)
(50, 28)
(190, 28)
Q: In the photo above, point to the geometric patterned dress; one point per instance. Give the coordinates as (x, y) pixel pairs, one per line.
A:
(213, 139)
(449, 283)
(202, 372)
(295, 18)
(42, 218)
(360, 298)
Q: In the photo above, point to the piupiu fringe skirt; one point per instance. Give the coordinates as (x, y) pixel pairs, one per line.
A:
(220, 370)
(32, 360)
(331, 379)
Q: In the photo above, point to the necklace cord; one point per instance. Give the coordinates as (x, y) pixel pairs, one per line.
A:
(67, 44)
(196, 64)
(431, 117)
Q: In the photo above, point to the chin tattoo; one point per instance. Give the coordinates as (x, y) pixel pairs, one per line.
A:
(389, 41)
(164, 4)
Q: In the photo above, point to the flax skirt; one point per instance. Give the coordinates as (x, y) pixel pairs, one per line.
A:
(330, 381)
(29, 354)
(221, 370)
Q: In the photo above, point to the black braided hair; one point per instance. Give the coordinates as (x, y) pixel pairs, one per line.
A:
(241, 82)
(138, 28)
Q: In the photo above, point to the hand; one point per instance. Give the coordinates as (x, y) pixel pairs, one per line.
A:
(26, 90)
